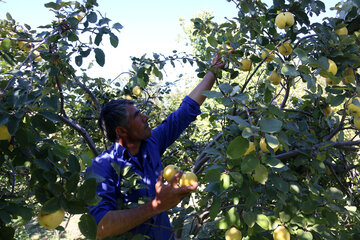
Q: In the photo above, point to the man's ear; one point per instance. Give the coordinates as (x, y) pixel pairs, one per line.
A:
(121, 131)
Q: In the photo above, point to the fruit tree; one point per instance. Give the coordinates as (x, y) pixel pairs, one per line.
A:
(276, 150)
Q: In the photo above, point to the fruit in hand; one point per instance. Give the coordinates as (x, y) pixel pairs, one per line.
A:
(187, 179)
(284, 20)
(170, 171)
(275, 78)
(233, 234)
(245, 65)
(281, 233)
(52, 220)
(285, 49)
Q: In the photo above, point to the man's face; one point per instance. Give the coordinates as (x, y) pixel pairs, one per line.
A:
(138, 124)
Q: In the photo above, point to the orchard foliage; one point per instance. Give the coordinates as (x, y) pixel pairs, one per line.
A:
(303, 168)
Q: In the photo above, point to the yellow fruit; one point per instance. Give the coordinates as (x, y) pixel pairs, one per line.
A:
(233, 234)
(281, 233)
(342, 31)
(4, 133)
(25, 46)
(275, 78)
(37, 58)
(245, 65)
(332, 67)
(250, 149)
(169, 172)
(357, 122)
(349, 75)
(285, 49)
(136, 90)
(128, 97)
(284, 20)
(265, 53)
(187, 179)
(352, 108)
(52, 220)
(264, 147)
(327, 110)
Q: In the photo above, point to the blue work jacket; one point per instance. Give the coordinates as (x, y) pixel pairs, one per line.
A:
(147, 164)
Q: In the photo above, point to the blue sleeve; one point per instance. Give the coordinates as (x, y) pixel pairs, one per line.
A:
(108, 190)
(171, 128)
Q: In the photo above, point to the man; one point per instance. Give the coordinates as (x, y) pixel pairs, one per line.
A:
(141, 148)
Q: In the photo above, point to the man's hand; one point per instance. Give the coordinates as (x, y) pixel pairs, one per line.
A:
(217, 63)
(169, 195)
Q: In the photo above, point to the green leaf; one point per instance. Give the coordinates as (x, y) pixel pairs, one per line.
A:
(302, 235)
(270, 125)
(289, 70)
(52, 5)
(98, 38)
(272, 141)
(227, 88)
(237, 147)
(212, 41)
(117, 26)
(88, 226)
(92, 17)
(302, 54)
(114, 40)
(99, 56)
(249, 163)
(263, 221)
(249, 218)
(238, 120)
(238, 177)
(50, 206)
(72, 182)
(280, 184)
(73, 37)
(78, 60)
(274, 162)
(261, 174)
(74, 165)
(87, 190)
(212, 94)
(215, 208)
(335, 193)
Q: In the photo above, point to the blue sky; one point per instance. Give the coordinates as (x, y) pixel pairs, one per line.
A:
(149, 25)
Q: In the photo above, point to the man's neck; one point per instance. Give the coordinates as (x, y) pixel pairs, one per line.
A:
(132, 147)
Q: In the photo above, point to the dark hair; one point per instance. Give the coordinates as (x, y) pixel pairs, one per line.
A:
(112, 115)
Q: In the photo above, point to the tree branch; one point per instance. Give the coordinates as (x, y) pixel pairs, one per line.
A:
(82, 132)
